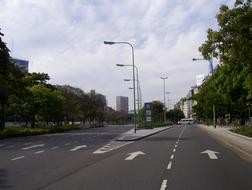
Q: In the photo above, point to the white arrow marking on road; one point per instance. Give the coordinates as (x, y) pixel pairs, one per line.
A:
(134, 155)
(78, 147)
(211, 154)
(34, 146)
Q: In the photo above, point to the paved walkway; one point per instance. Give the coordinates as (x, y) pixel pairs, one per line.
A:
(140, 133)
(239, 143)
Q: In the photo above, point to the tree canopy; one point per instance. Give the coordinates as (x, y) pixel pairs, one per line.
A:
(230, 88)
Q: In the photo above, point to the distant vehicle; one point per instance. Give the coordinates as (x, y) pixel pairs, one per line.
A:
(186, 121)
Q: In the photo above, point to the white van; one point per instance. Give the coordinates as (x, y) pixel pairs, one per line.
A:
(186, 121)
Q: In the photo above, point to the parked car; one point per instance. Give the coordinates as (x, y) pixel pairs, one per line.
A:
(186, 121)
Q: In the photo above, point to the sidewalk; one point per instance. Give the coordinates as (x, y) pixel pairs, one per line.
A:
(140, 133)
(241, 144)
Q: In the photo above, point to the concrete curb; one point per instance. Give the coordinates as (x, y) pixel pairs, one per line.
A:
(241, 136)
(141, 137)
(226, 141)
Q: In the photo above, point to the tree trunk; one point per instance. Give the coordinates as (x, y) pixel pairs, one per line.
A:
(2, 119)
(33, 121)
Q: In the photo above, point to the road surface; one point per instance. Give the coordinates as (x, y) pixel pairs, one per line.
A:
(180, 158)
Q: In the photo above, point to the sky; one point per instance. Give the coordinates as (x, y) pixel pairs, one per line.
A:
(64, 38)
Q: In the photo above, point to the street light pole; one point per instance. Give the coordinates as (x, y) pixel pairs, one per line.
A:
(133, 62)
(164, 78)
(212, 72)
(138, 87)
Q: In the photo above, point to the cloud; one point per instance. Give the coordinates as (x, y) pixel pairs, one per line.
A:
(65, 39)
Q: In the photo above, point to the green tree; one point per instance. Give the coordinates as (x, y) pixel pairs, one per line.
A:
(157, 109)
(11, 80)
(230, 89)
(46, 104)
(175, 115)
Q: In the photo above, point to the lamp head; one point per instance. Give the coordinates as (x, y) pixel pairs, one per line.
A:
(109, 43)
(120, 65)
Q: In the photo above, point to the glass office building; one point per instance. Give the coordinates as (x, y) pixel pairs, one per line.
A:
(23, 64)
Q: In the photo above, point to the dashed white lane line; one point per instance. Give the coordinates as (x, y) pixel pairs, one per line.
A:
(34, 146)
(169, 165)
(177, 142)
(176, 146)
(55, 147)
(39, 152)
(181, 133)
(2, 145)
(67, 144)
(163, 185)
(78, 147)
(172, 157)
(17, 158)
(174, 150)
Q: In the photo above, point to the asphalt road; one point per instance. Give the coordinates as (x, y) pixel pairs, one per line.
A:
(173, 159)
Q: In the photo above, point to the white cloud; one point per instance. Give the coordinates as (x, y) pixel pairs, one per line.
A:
(65, 39)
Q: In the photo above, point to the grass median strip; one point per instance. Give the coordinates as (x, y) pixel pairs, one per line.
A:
(243, 130)
(11, 131)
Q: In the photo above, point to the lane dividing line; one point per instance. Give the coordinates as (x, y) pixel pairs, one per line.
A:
(164, 184)
(174, 150)
(2, 145)
(169, 165)
(34, 146)
(172, 157)
(78, 147)
(176, 146)
(67, 144)
(181, 133)
(55, 147)
(177, 142)
(39, 152)
(17, 158)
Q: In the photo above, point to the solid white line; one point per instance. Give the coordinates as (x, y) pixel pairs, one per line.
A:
(169, 165)
(172, 157)
(164, 184)
(174, 150)
(34, 146)
(55, 147)
(39, 152)
(17, 158)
